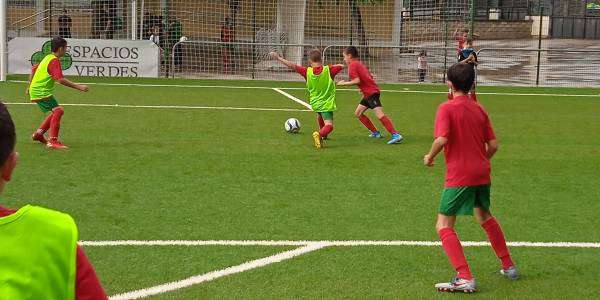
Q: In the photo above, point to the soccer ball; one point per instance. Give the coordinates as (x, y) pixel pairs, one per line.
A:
(183, 39)
(292, 125)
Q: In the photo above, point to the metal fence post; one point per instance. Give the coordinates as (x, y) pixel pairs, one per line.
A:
(3, 40)
(539, 52)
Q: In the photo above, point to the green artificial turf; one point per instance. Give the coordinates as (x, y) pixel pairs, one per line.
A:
(201, 174)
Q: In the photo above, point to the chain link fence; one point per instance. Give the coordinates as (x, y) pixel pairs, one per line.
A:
(521, 42)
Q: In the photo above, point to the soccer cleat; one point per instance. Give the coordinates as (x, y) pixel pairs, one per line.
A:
(375, 134)
(317, 139)
(39, 137)
(457, 285)
(396, 139)
(55, 144)
(511, 273)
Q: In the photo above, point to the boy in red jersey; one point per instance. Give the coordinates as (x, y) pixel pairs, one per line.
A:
(360, 75)
(53, 268)
(464, 131)
(321, 87)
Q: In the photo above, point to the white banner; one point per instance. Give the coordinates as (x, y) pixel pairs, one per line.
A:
(104, 58)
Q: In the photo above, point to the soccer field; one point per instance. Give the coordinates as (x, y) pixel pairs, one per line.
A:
(204, 165)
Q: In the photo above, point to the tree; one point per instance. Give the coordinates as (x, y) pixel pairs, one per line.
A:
(356, 21)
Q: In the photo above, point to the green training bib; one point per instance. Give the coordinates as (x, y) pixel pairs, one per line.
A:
(38, 252)
(42, 84)
(322, 90)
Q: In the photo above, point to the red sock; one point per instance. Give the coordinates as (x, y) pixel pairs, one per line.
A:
(326, 130)
(455, 253)
(46, 124)
(388, 124)
(320, 121)
(367, 122)
(55, 122)
(496, 237)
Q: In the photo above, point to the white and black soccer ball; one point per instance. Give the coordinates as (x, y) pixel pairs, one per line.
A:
(292, 125)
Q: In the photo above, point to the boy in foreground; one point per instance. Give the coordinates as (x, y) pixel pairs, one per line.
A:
(360, 76)
(320, 85)
(41, 89)
(464, 131)
(39, 255)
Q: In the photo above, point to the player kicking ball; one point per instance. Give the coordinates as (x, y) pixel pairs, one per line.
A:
(321, 87)
(41, 89)
(464, 131)
(360, 76)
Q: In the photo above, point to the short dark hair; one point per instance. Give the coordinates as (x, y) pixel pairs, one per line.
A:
(58, 42)
(466, 30)
(470, 41)
(462, 76)
(352, 51)
(315, 55)
(7, 134)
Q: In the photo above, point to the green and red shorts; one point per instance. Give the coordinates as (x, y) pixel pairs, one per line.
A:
(461, 200)
(47, 104)
(326, 115)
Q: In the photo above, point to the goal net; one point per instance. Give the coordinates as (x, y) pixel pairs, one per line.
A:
(232, 39)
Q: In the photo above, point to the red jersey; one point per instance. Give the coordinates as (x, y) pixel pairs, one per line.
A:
(87, 285)
(467, 127)
(461, 42)
(367, 84)
(54, 69)
(333, 70)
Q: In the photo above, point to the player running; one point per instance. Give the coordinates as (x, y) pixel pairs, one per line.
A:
(360, 75)
(320, 85)
(464, 131)
(41, 89)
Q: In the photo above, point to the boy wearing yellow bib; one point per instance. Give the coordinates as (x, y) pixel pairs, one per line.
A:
(39, 256)
(41, 91)
(321, 87)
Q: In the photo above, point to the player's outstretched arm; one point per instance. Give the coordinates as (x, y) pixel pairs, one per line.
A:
(491, 148)
(73, 85)
(436, 147)
(355, 81)
(282, 60)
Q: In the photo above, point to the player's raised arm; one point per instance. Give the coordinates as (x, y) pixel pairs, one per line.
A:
(355, 81)
(282, 60)
(73, 85)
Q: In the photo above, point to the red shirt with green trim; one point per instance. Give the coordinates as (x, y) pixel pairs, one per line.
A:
(87, 285)
(467, 127)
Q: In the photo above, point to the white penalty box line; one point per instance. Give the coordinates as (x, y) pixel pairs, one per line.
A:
(304, 247)
(348, 243)
(403, 90)
(168, 107)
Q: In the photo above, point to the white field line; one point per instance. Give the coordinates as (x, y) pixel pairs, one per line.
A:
(165, 106)
(293, 98)
(325, 243)
(301, 88)
(257, 263)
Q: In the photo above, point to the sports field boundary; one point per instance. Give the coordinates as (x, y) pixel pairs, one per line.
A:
(304, 247)
(197, 279)
(339, 243)
(402, 90)
(167, 106)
